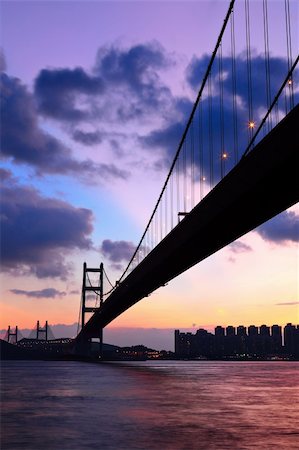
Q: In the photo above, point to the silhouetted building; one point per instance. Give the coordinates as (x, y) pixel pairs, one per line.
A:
(183, 344)
(203, 344)
(263, 342)
(241, 340)
(276, 335)
(231, 347)
(289, 337)
(219, 331)
(219, 345)
(252, 340)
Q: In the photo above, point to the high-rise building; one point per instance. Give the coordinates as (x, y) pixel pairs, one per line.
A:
(289, 337)
(252, 340)
(264, 330)
(276, 339)
(241, 340)
(231, 347)
(241, 330)
(219, 331)
(253, 330)
(220, 340)
(183, 344)
(230, 331)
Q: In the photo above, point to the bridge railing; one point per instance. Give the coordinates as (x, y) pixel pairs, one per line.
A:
(248, 85)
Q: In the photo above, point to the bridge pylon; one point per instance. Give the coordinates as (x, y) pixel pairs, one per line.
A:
(11, 334)
(41, 330)
(88, 286)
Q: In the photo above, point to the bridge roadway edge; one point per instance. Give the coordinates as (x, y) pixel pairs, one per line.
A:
(260, 186)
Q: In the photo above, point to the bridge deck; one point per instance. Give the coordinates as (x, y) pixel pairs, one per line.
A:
(263, 184)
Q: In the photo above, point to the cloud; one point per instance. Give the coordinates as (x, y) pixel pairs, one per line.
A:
(136, 69)
(44, 293)
(75, 291)
(24, 142)
(221, 137)
(287, 303)
(167, 138)
(58, 92)
(87, 137)
(278, 70)
(239, 247)
(117, 251)
(125, 85)
(282, 228)
(38, 232)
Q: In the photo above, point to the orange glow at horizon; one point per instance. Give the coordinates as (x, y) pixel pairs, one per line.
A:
(256, 287)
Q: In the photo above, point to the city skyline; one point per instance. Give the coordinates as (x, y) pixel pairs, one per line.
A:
(159, 339)
(227, 342)
(92, 181)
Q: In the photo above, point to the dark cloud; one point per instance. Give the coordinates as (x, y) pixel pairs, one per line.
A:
(24, 142)
(136, 67)
(44, 293)
(58, 92)
(278, 69)
(132, 78)
(117, 267)
(196, 70)
(239, 247)
(221, 138)
(117, 251)
(125, 85)
(38, 232)
(282, 228)
(167, 138)
(87, 137)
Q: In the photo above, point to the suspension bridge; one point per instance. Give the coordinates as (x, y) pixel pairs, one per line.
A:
(235, 166)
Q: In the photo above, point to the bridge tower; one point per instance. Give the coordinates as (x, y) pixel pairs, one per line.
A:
(11, 333)
(42, 330)
(87, 286)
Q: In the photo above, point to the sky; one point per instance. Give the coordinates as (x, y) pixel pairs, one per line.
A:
(86, 86)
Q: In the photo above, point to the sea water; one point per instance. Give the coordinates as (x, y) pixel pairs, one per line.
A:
(154, 405)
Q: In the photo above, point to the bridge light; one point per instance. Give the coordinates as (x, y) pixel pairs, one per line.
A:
(224, 155)
(203, 179)
(251, 124)
(290, 81)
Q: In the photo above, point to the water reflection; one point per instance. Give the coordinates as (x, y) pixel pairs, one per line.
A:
(150, 405)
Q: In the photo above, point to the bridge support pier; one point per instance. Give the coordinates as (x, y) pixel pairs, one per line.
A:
(85, 347)
(12, 334)
(40, 330)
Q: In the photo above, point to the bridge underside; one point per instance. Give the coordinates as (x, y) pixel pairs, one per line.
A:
(262, 185)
